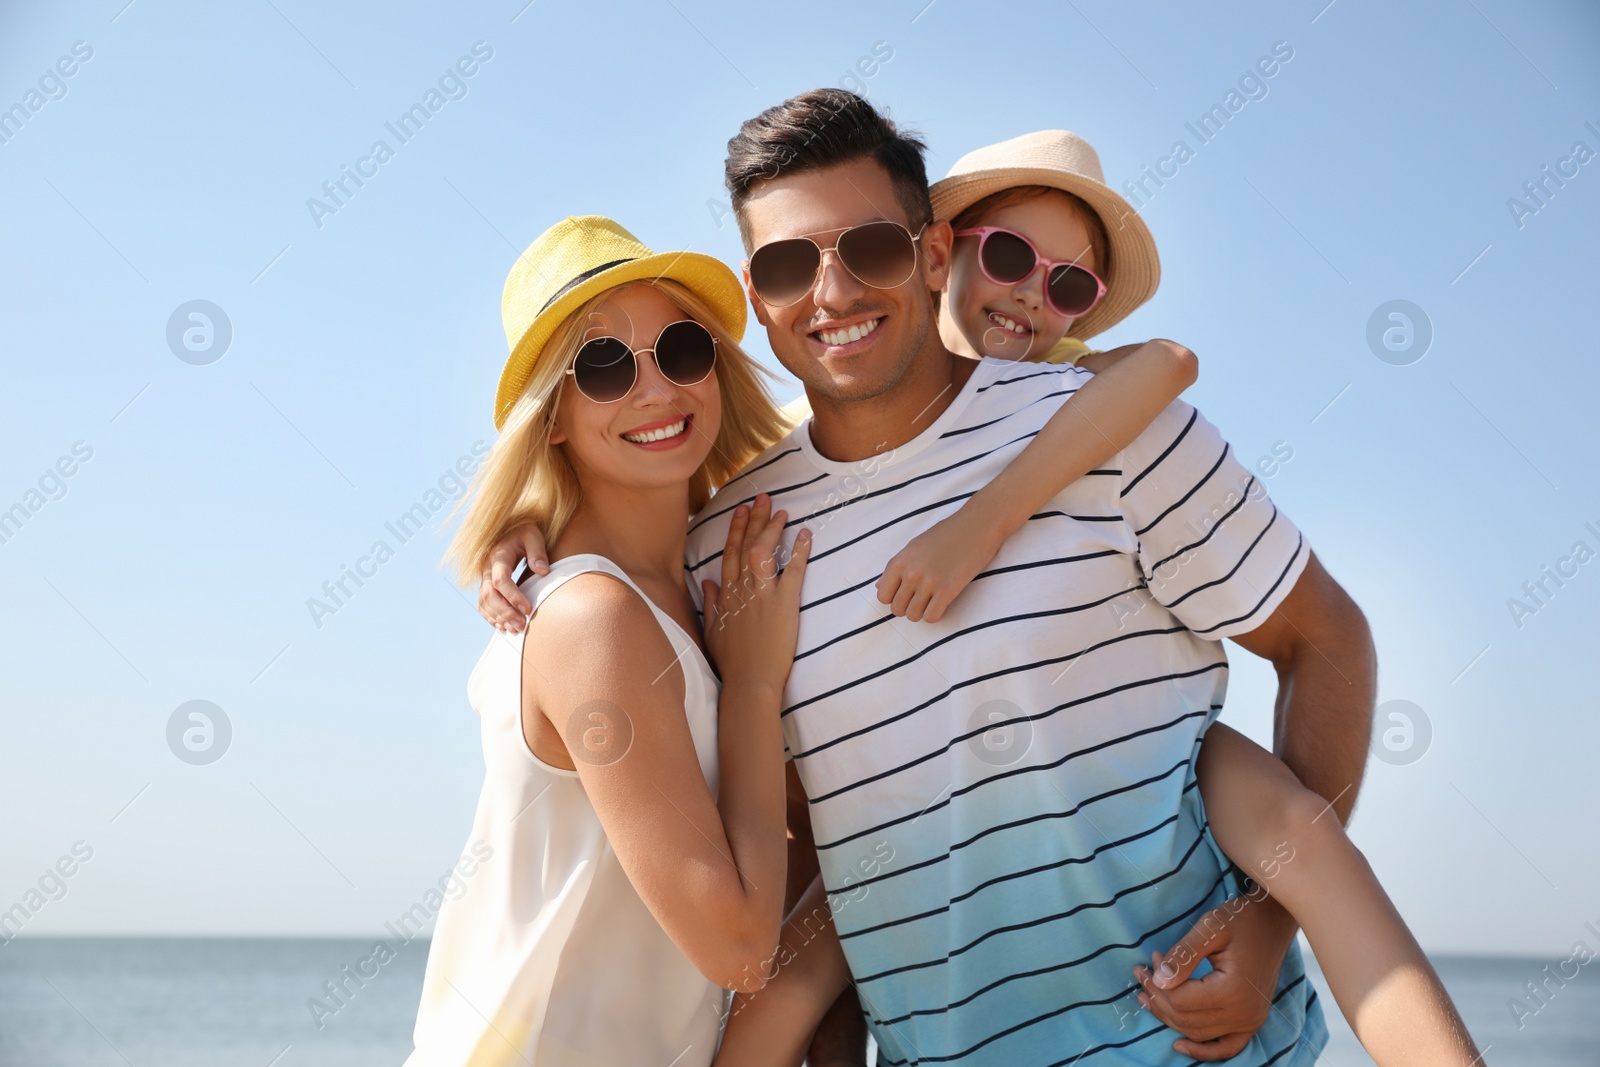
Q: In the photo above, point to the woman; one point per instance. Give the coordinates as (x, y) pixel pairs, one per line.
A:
(631, 824)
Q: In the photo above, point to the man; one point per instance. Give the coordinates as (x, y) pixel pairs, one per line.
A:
(1003, 803)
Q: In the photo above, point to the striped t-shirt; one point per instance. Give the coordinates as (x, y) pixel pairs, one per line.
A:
(1004, 802)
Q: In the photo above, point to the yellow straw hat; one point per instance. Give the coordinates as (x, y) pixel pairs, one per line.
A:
(1065, 161)
(581, 257)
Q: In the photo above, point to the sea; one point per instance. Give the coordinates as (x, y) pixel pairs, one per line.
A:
(265, 1002)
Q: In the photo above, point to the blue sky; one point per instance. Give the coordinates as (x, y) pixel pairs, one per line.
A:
(209, 501)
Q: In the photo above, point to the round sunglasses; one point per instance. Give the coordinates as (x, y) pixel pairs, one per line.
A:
(1006, 258)
(880, 254)
(606, 369)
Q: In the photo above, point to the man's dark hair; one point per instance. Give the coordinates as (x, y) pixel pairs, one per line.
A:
(823, 128)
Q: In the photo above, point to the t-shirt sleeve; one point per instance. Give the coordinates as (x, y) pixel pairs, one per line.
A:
(1213, 547)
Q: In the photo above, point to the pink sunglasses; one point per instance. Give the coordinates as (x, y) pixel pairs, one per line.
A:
(1007, 258)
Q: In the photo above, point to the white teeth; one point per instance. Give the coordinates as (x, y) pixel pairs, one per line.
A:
(1006, 323)
(660, 434)
(849, 333)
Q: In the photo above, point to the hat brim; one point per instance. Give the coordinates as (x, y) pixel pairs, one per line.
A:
(1135, 265)
(705, 276)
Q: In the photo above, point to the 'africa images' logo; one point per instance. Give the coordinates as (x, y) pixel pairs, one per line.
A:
(452, 85)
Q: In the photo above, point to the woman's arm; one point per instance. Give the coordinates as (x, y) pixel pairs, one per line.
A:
(710, 869)
(773, 1027)
(1091, 427)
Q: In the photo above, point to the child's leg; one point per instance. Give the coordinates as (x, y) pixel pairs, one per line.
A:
(773, 1027)
(1291, 842)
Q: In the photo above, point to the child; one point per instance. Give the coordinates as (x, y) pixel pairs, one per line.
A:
(1041, 197)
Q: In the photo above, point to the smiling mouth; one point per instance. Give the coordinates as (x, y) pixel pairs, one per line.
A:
(660, 433)
(848, 334)
(1005, 322)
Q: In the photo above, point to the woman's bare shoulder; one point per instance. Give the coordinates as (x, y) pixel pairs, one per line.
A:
(595, 621)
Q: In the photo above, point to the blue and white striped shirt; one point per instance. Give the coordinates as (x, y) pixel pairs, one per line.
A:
(1004, 802)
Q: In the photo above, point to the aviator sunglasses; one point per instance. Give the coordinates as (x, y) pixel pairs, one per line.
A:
(605, 369)
(1006, 258)
(880, 254)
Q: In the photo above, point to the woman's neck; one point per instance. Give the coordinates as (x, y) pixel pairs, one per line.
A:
(641, 530)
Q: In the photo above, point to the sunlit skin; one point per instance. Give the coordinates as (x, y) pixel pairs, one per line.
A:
(622, 480)
(878, 392)
(709, 867)
(967, 319)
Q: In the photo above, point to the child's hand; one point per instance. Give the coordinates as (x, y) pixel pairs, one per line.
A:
(499, 599)
(924, 577)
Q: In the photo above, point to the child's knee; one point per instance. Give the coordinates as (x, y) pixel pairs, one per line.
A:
(1306, 829)
(1304, 810)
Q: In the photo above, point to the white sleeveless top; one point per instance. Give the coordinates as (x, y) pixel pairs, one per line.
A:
(550, 957)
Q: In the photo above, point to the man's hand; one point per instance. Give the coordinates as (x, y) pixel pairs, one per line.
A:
(1245, 939)
(499, 599)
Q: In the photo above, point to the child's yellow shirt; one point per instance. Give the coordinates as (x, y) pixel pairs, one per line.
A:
(1066, 350)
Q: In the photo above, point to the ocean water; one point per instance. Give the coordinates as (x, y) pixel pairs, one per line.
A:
(202, 1002)
(1564, 1031)
(215, 1002)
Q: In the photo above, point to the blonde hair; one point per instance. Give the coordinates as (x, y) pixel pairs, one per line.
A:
(528, 481)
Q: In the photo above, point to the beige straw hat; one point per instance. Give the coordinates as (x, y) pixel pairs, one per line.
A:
(1063, 160)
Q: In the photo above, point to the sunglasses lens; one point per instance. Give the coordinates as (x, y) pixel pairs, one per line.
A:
(881, 254)
(782, 272)
(1006, 257)
(1073, 290)
(686, 352)
(604, 370)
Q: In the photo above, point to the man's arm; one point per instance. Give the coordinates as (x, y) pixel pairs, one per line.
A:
(841, 1037)
(1224, 559)
(1321, 646)
(1227, 562)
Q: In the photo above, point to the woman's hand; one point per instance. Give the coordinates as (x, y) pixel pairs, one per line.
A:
(499, 599)
(753, 619)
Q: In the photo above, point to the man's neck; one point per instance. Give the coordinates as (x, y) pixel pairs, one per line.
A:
(852, 430)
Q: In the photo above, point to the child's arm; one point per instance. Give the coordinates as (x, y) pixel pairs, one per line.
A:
(1290, 841)
(1100, 362)
(499, 599)
(773, 1027)
(1131, 387)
